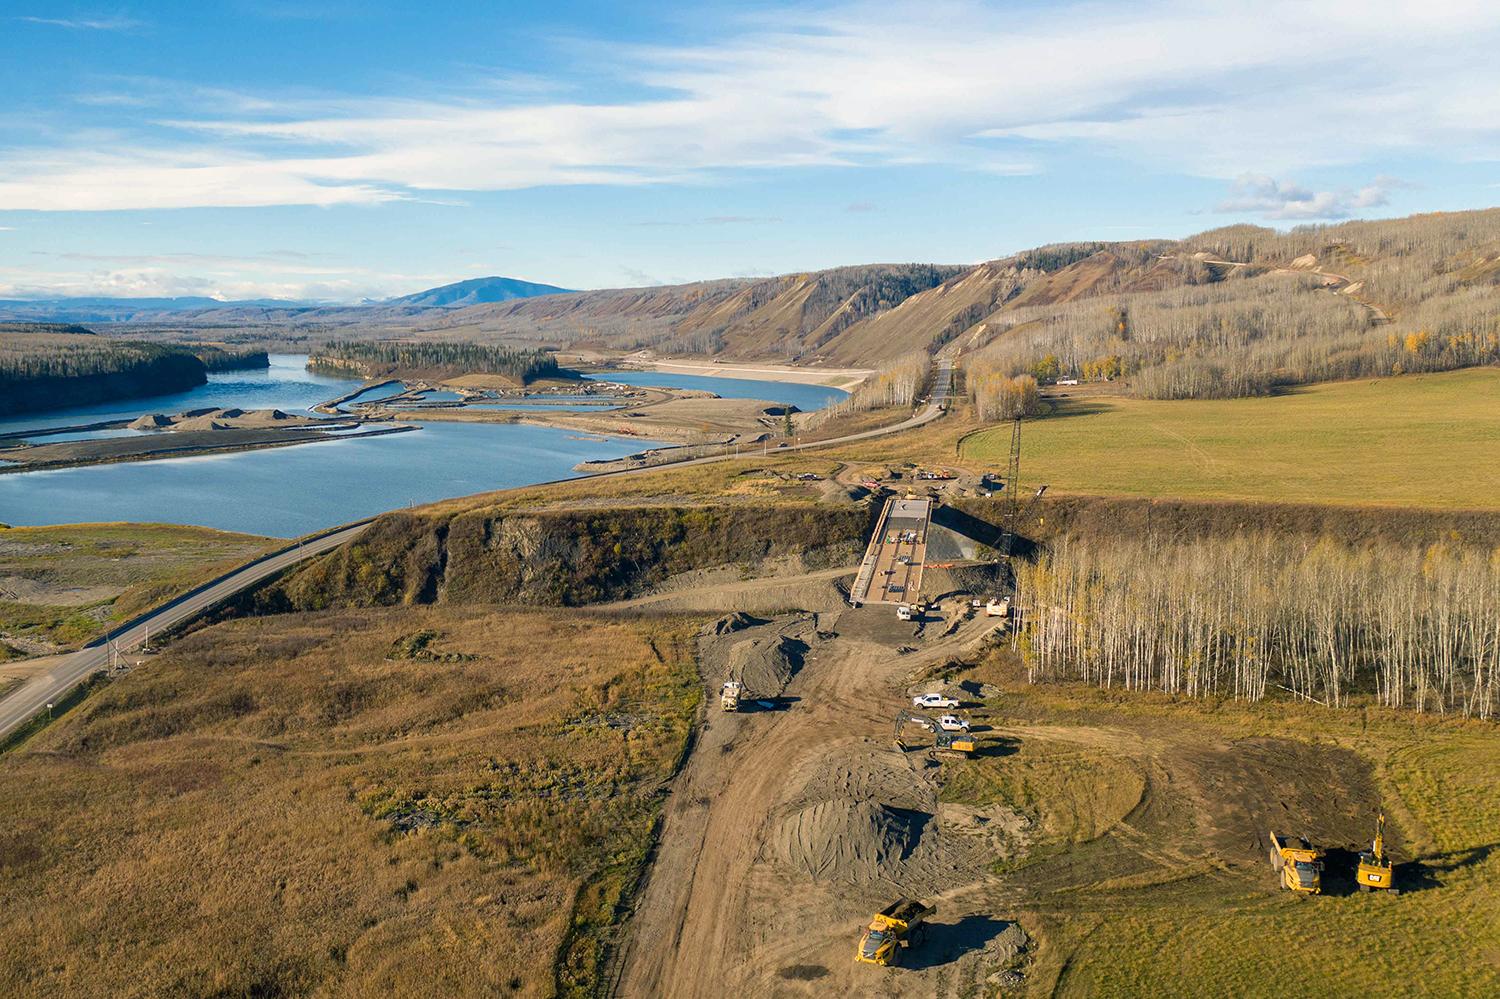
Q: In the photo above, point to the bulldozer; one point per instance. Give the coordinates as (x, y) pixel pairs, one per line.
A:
(1376, 872)
(899, 925)
(1299, 863)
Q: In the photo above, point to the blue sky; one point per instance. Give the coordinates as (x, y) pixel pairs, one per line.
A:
(339, 150)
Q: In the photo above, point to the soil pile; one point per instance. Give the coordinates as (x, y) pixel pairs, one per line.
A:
(151, 421)
(730, 623)
(858, 841)
(766, 665)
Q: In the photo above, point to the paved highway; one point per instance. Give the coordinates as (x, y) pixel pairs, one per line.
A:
(35, 694)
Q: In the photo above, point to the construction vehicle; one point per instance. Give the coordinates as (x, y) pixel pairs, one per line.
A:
(945, 745)
(953, 746)
(730, 694)
(899, 925)
(1376, 872)
(1299, 863)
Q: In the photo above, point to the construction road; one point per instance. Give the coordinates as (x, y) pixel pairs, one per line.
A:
(50, 687)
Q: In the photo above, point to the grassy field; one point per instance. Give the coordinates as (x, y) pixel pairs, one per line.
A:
(61, 586)
(1147, 876)
(391, 802)
(1419, 440)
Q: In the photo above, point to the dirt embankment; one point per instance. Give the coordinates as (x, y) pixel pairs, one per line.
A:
(1098, 517)
(561, 557)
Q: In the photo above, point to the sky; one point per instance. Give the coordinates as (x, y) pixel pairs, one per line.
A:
(342, 150)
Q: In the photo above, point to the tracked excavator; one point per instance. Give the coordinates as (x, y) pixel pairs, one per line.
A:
(945, 745)
(1376, 872)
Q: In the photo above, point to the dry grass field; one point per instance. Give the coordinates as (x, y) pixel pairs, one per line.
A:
(389, 802)
(1146, 871)
(61, 586)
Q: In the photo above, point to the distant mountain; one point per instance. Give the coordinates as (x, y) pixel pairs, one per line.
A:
(475, 291)
(113, 310)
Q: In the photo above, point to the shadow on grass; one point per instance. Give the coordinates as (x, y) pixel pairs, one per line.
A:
(1424, 873)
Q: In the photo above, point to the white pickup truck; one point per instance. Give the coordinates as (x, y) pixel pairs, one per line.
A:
(953, 723)
(934, 701)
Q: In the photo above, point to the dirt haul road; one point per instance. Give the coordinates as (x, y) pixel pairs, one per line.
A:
(789, 826)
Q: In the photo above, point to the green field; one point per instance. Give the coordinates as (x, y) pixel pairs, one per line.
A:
(1419, 440)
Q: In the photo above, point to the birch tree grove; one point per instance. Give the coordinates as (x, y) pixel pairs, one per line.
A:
(899, 384)
(1239, 618)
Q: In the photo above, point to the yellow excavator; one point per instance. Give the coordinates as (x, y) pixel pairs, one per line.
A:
(1299, 863)
(901, 924)
(1376, 872)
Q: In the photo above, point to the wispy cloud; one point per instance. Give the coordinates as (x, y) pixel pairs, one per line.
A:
(1286, 201)
(1206, 89)
(117, 22)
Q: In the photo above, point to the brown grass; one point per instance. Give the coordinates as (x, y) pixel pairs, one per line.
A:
(275, 807)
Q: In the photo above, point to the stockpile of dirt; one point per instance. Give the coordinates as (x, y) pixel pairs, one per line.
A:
(845, 840)
(151, 421)
(730, 623)
(766, 665)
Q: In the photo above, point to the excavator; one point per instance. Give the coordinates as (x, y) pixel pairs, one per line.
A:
(1299, 863)
(945, 745)
(1376, 872)
(900, 924)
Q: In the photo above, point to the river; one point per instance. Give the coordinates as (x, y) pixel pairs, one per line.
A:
(288, 491)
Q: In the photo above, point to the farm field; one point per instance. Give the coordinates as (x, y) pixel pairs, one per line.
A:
(1418, 440)
(396, 802)
(62, 586)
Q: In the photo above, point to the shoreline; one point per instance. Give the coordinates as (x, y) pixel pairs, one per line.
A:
(845, 379)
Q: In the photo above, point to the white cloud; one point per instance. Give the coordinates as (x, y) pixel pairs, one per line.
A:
(1283, 200)
(115, 23)
(1207, 89)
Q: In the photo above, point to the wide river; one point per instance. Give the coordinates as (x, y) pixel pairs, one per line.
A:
(289, 491)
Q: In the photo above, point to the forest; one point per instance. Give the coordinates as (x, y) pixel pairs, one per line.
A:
(48, 370)
(1247, 616)
(375, 359)
(221, 358)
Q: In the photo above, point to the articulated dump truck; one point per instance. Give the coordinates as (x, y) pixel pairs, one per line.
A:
(1299, 863)
(899, 925)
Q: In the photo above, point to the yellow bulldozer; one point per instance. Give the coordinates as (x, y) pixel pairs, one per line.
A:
(1376, 872)
(899, 925)
(1299, 863)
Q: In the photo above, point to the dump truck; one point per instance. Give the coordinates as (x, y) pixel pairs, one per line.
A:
(1376, 872)
(899, 925)
(1299, 863)
(730, 694)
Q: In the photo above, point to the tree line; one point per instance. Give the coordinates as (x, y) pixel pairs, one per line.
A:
(1243, 617)
(385, 357)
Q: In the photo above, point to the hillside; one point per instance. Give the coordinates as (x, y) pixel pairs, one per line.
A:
(1233, 311)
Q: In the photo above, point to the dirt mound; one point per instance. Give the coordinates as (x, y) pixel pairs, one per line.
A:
(843, 840)
(151, 421)
(730, 623)
(766, 665)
